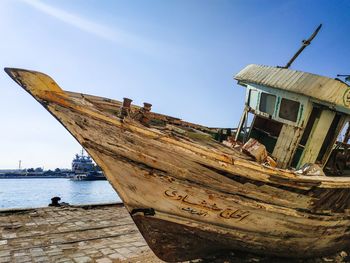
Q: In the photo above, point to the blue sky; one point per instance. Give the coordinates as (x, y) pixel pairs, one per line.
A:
(178, 55)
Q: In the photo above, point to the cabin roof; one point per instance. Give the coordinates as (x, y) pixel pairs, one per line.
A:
(323, 89)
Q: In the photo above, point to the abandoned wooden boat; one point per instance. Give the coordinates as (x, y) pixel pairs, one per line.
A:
(191, 195)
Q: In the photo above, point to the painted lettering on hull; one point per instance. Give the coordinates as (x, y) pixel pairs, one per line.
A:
(203, 208)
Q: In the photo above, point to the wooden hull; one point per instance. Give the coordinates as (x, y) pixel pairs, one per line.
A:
(191, 197)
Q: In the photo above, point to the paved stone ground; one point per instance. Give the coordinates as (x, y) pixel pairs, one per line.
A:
(70, 234)
(102, 234)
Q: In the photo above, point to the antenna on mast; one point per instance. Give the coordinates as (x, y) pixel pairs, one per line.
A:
(305, 43)
(347, 77)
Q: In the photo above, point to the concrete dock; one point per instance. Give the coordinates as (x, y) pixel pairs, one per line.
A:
(100, 233)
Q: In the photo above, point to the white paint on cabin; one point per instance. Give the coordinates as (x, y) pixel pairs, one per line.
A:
(254, 91)
(325, 90)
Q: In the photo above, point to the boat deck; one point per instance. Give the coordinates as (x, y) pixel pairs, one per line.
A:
(99, 233)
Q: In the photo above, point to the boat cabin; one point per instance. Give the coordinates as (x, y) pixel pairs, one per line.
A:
(298, 116)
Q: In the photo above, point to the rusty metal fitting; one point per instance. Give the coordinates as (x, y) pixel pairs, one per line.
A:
(144, 113)
(127, 103)
(147, 106)
(125, 109)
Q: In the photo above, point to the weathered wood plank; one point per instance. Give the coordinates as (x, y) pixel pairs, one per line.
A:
(286, 145)
(318, 133)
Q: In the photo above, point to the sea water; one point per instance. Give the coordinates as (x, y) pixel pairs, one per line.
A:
(28, 193)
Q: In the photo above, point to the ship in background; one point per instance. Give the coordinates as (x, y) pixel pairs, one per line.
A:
(83, 169)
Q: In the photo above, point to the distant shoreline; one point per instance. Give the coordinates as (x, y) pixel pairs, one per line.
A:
(33, 177)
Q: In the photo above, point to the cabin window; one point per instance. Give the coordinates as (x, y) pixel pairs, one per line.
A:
(253, 98)
(289, 109)
(267, 103)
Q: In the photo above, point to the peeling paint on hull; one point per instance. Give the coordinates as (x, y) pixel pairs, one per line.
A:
(191, 197)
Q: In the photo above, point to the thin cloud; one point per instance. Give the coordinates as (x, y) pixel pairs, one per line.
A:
(115, 35)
